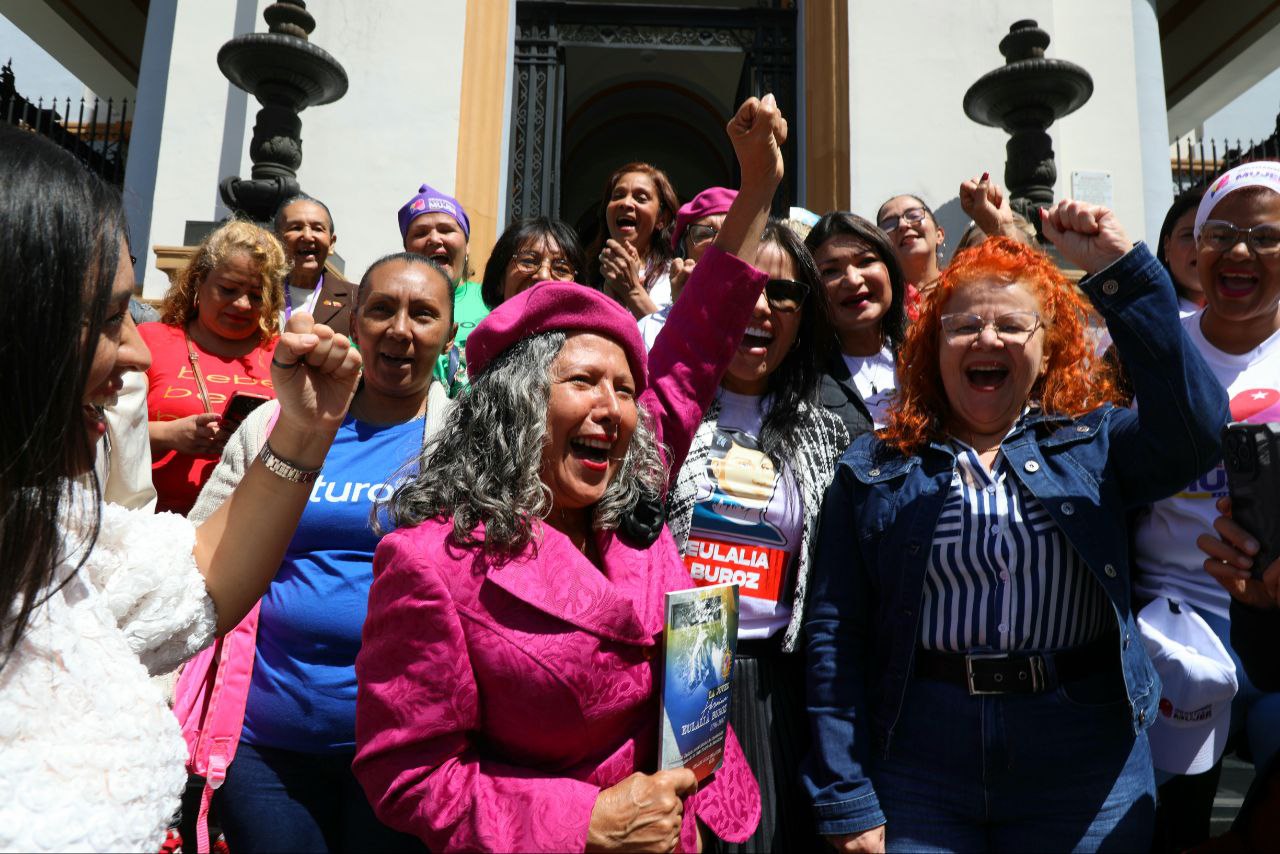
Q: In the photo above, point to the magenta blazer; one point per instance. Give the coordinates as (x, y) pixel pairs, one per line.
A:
(497, 699)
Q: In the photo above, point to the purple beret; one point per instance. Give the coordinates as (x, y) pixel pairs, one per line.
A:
(711, 201)
(429, 200)
(556, 306)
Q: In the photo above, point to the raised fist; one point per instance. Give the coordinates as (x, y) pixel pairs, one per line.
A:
(757, 132)
(1088, 236)
(984, 202)
(314, 371)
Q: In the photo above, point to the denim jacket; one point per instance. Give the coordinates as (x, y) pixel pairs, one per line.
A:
(879, 515)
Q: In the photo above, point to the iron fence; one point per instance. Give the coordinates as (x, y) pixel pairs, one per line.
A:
(94, 130)
(1196, 164)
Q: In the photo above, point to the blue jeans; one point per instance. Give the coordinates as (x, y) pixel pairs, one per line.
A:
(1059, 771)
(279, 800)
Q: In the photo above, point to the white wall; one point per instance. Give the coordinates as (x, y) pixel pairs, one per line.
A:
(910, 65)
(397, 127)
(1153, 116)
(364, 155)
(192, 128)
(148, 129)
(1106, 133)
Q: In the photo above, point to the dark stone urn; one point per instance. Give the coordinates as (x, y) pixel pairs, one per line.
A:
(287, 74)
(1024, 97)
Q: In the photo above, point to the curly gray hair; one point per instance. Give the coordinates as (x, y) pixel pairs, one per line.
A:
(485, 464)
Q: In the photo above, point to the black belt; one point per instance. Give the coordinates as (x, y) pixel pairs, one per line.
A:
(1014, 673)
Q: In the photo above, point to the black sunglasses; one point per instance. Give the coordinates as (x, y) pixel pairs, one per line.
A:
(785, 295)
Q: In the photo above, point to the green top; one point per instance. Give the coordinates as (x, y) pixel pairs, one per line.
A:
(468, 310)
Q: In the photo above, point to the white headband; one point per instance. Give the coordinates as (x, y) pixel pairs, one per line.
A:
(1262, 173)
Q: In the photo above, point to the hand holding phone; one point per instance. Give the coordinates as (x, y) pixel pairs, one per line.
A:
(239, 407)
(1251, 455)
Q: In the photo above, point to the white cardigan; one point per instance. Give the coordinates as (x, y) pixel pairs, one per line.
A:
(91, 757)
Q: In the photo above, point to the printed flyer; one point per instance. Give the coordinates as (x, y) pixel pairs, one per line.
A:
(700, 638)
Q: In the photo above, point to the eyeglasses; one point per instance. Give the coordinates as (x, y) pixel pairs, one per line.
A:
(785, 295)
(530, 264)
(1220, 236)
(911, 216)
(701, 233)
(1016, 327)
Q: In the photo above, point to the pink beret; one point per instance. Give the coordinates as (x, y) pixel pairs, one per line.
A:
(711, 201)
(556, 306)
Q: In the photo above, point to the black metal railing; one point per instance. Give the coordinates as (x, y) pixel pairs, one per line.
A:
(94, 130)
(1196, 164)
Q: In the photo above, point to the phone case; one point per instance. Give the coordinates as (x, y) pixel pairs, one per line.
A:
(1251, 454)
(241, 405)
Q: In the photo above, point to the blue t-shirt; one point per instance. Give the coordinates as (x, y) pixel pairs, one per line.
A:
(303, 694)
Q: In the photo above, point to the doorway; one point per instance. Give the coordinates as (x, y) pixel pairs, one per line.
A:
(600, 84)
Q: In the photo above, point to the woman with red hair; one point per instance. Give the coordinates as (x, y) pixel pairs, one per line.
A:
(976, 681)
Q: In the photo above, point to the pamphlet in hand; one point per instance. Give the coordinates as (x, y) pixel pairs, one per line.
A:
(700, 638)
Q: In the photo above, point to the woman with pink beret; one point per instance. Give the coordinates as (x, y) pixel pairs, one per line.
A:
(510, 664)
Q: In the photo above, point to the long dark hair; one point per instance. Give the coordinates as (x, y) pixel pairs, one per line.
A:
(795, 381)
(62, 228)
(518, 234)
(894, 325)
(1187, 200)
(660, 251)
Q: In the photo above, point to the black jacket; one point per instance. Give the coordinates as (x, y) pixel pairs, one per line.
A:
(837, 393)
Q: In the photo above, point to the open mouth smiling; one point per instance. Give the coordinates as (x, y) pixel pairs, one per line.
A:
(1237, 283)
(857, 300)
(592, 451)
(986, 376)
(756, 340)
(397, 361)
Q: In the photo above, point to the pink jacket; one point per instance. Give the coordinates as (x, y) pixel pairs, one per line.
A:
(497, 700)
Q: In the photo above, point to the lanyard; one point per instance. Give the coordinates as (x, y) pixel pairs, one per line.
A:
(311, 300)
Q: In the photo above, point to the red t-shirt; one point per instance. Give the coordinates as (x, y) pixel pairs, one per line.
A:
(172, 393)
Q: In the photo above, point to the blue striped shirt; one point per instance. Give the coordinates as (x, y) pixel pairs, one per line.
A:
(1002, 576)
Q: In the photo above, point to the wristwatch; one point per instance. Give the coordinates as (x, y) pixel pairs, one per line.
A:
(285, 469)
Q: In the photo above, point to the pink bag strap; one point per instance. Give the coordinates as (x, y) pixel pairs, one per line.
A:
(223, 718)
(202, 821)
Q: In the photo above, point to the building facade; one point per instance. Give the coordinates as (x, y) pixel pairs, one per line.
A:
(522, 107)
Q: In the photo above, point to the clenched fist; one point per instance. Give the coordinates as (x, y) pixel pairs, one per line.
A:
(757, 132)
(1089, 236)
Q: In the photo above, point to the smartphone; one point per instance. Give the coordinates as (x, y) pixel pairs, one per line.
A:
(238, 408)
(1251, 455)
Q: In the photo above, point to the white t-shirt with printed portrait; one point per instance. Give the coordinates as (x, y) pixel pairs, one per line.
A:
(748, 520)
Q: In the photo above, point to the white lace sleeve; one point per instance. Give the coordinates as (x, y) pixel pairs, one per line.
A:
(143, 565)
